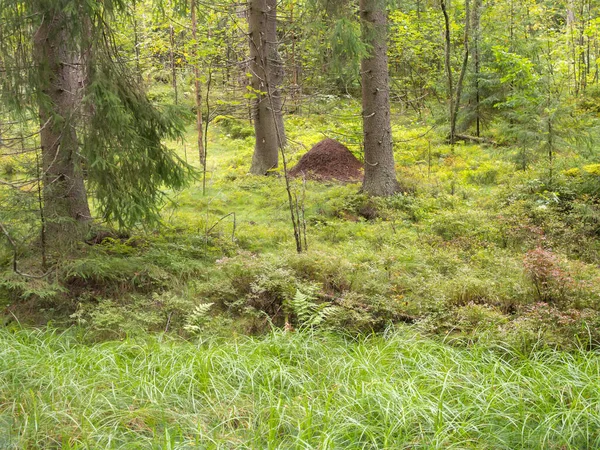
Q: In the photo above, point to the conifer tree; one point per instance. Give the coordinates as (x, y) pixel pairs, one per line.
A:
(62, 67)
(96, 127)
(266, 68)
(380, 172)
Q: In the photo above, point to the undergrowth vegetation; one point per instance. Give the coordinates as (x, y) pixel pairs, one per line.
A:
(474, 249)
(291, 390)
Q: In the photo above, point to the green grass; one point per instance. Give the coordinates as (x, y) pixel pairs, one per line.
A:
(291, 391)
(449, 256)
(451, 252)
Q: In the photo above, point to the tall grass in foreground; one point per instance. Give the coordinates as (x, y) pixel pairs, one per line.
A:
(291, 391)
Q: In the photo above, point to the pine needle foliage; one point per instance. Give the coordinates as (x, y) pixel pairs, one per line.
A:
(127, 160)
(120, 131)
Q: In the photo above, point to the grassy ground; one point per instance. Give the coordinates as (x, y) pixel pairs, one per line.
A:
(291, 391)
(500, 263)
(474, 244)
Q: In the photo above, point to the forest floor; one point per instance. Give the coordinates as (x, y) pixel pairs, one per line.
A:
(495, 269)
(291, 391)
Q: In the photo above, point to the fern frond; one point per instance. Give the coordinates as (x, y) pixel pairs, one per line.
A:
(307, 312)
(197, 318)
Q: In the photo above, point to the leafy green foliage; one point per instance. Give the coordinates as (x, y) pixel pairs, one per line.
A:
(456, 253)
(197, 318)
(309, 313)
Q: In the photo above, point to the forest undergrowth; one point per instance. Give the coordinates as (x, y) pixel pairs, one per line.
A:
(291, 391)
(460, 313)
(473, 249)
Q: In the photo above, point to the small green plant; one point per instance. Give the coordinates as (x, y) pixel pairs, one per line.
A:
(198, 318)
(8, 167)
(309, 313)
(551, 282)
(544, 325)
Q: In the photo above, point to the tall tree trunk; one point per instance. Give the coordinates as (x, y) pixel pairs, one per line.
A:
(448, 65)
(197, 87)
(173, 65)
(267, 74)
(62, 75)
(461, 76)
(572, 43)
(455, 95)
(136, 41)
(295, 65)
(477, 7)
(380, 172)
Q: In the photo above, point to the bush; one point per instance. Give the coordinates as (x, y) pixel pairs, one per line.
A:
(484, 175)
(137, 314)
(471, 322)
(551, 281)
(545, 325)
(235, 128)
(8, 166)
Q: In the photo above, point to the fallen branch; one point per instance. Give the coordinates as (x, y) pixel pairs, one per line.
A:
(475, 139)
(15, 266)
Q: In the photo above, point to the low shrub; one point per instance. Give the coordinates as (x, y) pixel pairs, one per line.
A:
(235, 128)
(545, 325)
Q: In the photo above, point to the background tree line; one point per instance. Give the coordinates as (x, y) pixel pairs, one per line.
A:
(89, 92)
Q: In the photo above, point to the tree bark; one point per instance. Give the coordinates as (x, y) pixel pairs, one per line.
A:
(266, 68)
(461, 77)
(477, 7)
(380, 172)
(197, 87)
(62, 77)
(454, 96)
(173, 65)
(447, 49)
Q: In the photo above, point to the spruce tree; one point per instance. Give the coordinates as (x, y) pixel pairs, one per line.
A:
(266, 68)
(380, 172)
(97, 128)
(62, 67)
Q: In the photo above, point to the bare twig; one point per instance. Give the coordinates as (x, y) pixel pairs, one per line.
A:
(15, 249)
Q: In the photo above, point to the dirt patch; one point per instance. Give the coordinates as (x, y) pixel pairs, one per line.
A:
(329, 160)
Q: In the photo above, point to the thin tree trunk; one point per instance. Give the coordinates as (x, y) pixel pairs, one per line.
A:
(173, 65)
(380, 173)
(512, 26)
(571, 42)
(295, 67)
(136, 41)
(477, 37)
(197, 87)
(461, 77)
(455, 96)
(267, 74)
(448, 65)
(583, 65)
(62, 75)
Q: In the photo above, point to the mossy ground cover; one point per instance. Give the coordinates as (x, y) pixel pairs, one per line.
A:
(473, 248)
(497, 266)
(452, 250)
